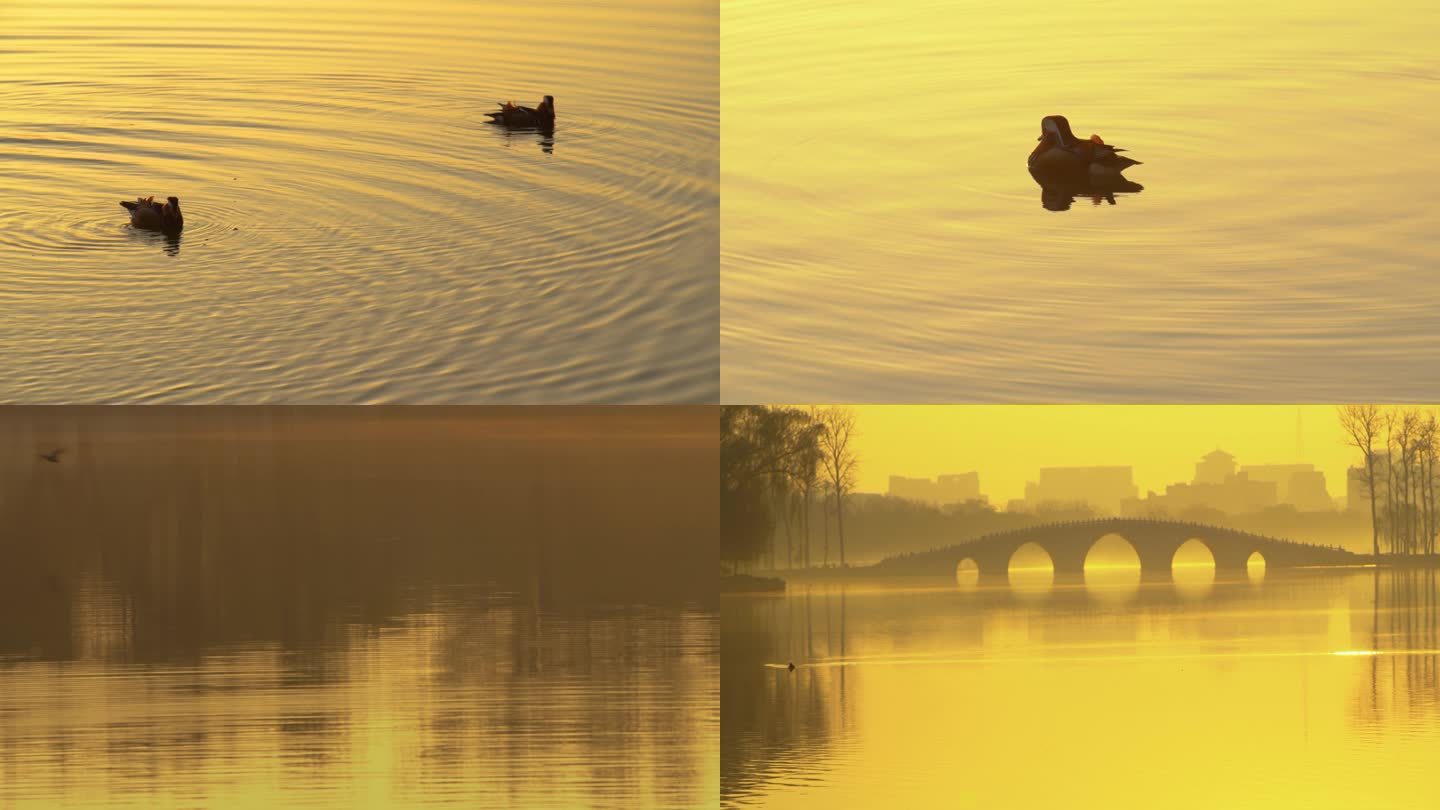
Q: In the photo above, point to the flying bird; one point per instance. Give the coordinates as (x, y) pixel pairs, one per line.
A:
(511, 114)
(53, 456)
(152, 216)
(1060, 152)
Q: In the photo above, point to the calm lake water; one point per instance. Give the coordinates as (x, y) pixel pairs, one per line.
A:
(885, 242)
(355, 231)
(1302, 690)
(291, 608)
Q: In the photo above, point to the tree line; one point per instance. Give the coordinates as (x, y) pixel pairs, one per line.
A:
(1399, 448)
(775, 462)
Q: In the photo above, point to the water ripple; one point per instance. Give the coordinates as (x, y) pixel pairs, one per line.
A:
(355, 230)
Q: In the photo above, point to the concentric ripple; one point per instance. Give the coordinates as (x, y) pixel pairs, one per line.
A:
(355, 231)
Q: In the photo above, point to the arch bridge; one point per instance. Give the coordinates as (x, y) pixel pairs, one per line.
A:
(1154, 541)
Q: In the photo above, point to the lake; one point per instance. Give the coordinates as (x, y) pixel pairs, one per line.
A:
(358, 607)
(884, 241)
(1296, 689)
(355, 230)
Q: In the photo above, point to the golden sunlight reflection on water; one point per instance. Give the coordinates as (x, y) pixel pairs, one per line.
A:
(358, 607)
(884, 241)
(1313, 688)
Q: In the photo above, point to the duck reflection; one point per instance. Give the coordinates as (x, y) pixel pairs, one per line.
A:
(544, 136)
(168, 242)
(1058, 191)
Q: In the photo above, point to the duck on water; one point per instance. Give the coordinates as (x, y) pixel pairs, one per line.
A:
(1060, 152)
(152, 216)
(511, 114)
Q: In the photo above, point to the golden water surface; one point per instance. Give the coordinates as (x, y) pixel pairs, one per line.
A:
(884, 241)
(355, 230)
(357, 607)
(1313, 689)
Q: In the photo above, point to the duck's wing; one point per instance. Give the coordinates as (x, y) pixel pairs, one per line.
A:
(1108, 158)
(507, 108)
(1107, 155)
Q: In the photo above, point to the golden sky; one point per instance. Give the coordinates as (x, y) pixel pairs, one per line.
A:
(1008, 443)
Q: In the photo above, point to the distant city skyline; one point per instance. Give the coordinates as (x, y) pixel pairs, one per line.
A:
(1162, 443)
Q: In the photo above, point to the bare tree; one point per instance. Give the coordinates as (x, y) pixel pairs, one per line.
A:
(808, 469)
(1425, 444)
(1392, 484)
(825, 510)
(1362, 425)
(1404, 440)
(837, 433)
(1432, 424)
(1415, 480)
(802, 471)
(780, 489)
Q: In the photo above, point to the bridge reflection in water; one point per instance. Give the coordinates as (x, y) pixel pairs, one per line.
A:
(1162, 550)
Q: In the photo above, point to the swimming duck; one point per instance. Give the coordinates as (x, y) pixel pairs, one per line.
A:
(148, 214)
(1060, 151)
(513, 115)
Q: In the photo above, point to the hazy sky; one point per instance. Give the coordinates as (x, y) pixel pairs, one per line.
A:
(1008, 443)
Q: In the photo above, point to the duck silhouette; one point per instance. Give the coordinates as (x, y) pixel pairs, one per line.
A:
(1061, 153)
(53, 456)
(152, 216)
(511, 114)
